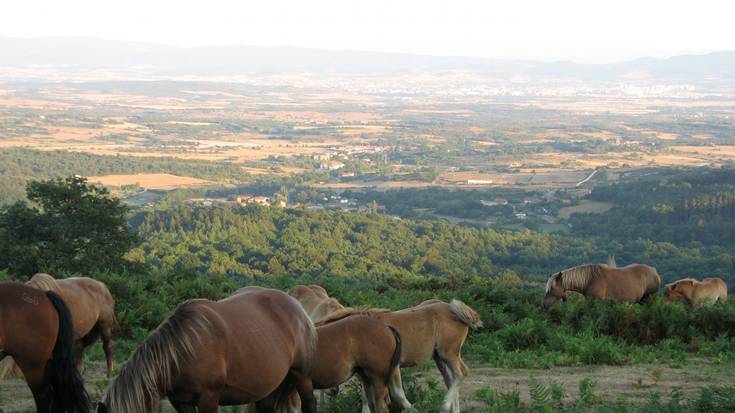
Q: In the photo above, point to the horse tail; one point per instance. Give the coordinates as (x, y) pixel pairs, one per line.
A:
(67, 387)
(395, 361)
(465, 314)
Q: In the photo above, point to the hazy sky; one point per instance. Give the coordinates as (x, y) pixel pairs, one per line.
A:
(580, 30)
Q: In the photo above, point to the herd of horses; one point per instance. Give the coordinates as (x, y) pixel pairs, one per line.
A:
(266, 348)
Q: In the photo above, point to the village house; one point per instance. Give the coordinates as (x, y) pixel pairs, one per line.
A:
(331, 165)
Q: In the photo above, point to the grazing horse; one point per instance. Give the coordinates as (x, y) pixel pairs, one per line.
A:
(631, 283)
(361, 346)
(432, 329)
(92, 309)
(315, 300)
(693, 292)
(242, 349)
(36, 329)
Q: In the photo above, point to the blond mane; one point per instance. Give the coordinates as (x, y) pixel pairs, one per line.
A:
(150, 372)
(575, 278)
(349, 311)
(43, 282)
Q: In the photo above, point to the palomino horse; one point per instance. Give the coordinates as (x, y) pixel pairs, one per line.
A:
(234, 351)
(693, 292)
(36, 329)
(432, 329)
(92, 309)
(361, 346)
(631, 283)
(315, 301)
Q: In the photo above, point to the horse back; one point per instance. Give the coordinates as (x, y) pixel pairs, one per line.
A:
(264, 331)
(629, 283)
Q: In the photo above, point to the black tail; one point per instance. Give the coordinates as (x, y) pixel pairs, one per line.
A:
(395, 361)
(67, 388)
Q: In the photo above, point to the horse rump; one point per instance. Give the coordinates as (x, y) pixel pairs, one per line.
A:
(67, 388)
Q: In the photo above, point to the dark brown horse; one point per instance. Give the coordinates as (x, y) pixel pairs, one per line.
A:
(92, 309)
(36, 329)
(243, 349)
(631, 283)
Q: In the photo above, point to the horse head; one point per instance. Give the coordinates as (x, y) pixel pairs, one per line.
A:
(680, 290)
(554, 291)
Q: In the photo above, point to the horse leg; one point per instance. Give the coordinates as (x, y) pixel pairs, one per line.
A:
(452, 372)
(365, 398)
(42, 397)
(208, 402)
(458, 371)
(396, 391)
(183, 408)
(306, 392)
(368, 394)
(106, 332)
(79, 355)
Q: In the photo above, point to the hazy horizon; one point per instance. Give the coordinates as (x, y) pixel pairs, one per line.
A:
(526, 30)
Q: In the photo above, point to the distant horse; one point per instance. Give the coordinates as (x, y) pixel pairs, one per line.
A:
(36, 329)
(693, 292)
(256, 343)
(92, 309)
(361, 346)
(631, 283)
(432, 329)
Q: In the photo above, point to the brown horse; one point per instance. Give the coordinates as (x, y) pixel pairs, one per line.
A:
(632, 283)
(36, 329)
(256, 343)
(693, 292)
(361, 346)
(432, 329)
(92, 308)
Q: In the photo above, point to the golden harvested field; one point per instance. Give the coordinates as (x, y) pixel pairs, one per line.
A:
(149, 181)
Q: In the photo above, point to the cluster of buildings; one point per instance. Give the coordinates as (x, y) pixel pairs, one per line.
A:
(239, 200)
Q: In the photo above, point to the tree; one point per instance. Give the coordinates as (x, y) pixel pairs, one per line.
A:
(71, 226)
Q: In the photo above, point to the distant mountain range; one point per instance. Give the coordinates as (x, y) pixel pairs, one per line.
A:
(78, 53)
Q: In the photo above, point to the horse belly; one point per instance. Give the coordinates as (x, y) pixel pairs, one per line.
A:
(418, 338)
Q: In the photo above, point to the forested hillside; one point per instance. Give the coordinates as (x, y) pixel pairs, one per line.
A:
(19, 165)
(259, 241)
(693, 209)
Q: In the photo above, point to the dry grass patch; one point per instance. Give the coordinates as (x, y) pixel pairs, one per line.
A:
(149, 181)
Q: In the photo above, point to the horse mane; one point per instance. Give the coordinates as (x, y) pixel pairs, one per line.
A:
(151, 370)
(576, 277)
(43, 282)
(350, 311)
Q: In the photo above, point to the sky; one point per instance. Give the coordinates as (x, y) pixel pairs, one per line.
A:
(585, 31)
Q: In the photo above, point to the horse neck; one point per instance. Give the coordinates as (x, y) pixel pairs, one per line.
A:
(151, 371)
(578, 278)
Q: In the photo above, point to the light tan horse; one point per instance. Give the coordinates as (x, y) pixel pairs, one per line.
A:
(631, 283)
(315, 300)
(92, 309)
(255, 346)
(361, 346)
(432, 329)
(693, 292)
